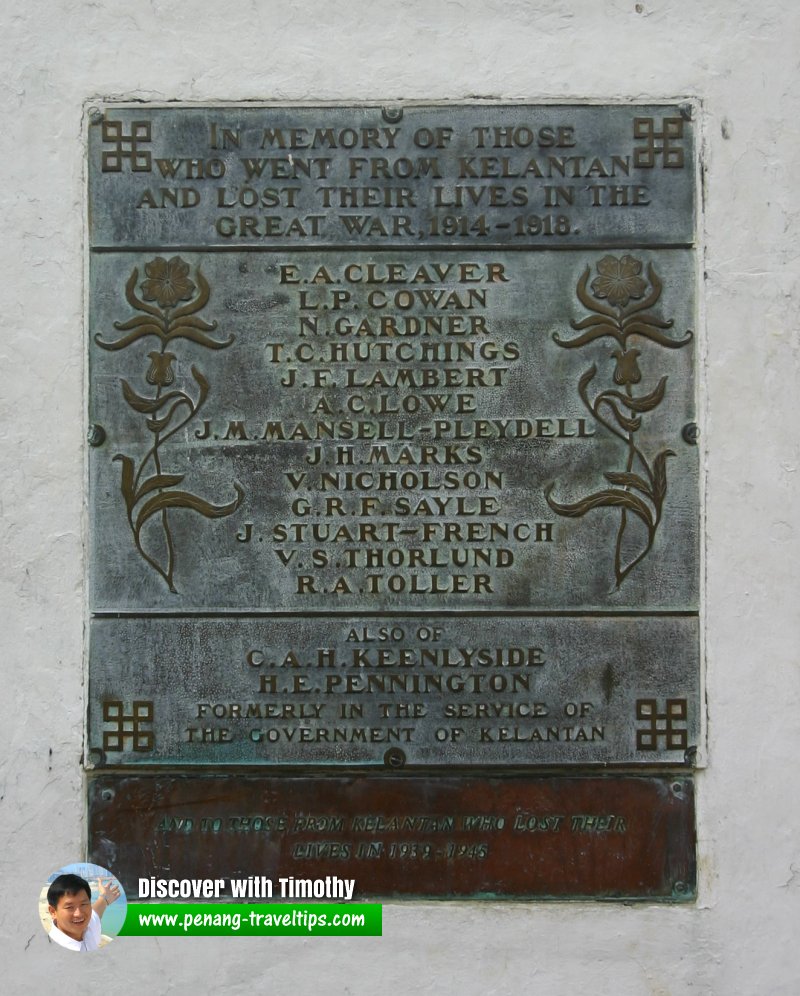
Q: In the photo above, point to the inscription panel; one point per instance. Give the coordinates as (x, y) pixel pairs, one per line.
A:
(625, 838)
(401, 691)
(457, 431)
(464, 174)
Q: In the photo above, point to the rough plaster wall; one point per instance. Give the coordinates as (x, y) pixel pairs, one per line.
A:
(741, 59)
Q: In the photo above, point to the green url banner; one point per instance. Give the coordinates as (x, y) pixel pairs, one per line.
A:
(245, 920)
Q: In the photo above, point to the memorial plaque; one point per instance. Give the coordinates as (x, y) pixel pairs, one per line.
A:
(621, 837)
(476, 692)
(392, 424)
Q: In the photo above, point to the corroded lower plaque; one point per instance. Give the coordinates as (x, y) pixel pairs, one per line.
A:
(393, 463)
(613, 837)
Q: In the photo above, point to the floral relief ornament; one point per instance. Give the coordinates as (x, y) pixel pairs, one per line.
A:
(167, 282)
(149, 491)
(619, 280)
(619, 303)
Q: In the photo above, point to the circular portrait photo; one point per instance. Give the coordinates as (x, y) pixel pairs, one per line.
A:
(82, 907)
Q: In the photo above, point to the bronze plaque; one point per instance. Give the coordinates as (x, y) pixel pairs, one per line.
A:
(612, 837)
(481, 693)
(392, 426)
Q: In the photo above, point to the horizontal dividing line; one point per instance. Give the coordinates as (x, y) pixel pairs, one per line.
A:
(410, 614)
(411, 772)
(444, 105)
(405, 247)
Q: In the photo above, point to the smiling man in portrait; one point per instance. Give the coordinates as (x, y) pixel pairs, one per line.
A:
(76, 920)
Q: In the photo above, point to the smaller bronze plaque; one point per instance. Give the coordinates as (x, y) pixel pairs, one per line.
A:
(482, 692)
(558, 837)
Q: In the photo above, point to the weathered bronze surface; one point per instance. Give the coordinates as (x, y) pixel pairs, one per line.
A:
(455, 175)
(309, 457)
(392, 462)
(611, 837)
(463, 386)
(473, 692)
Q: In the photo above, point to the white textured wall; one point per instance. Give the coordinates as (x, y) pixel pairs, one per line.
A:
(741, 59)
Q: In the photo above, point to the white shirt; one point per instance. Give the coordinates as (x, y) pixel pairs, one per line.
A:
(91, 939)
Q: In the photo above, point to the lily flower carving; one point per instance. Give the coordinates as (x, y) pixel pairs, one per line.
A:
(620, 303)
(166, 282)
(168, 308)
(619, 280)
